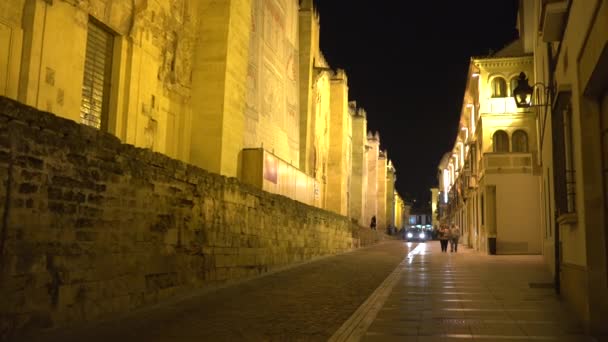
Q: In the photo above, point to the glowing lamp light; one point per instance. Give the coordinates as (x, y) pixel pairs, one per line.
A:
(523, 92)
(475, 74)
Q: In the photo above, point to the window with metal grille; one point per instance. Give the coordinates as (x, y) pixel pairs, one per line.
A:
(563, 173)
(97, 76)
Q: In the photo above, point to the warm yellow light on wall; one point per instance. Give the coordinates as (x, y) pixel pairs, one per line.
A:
(446, 187)
(461, 154)
(451, 167)
(470, 105)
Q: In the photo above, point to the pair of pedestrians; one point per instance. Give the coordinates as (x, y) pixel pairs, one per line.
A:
(451, 235)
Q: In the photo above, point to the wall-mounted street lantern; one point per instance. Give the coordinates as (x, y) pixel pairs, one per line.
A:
(523, 92)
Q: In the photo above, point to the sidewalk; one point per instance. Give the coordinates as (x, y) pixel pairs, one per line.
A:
(465, 296)
(304, 303)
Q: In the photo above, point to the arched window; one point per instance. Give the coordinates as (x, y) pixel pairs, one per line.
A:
(499, 87)
(520, 141)
(513, 84)
(500, 141)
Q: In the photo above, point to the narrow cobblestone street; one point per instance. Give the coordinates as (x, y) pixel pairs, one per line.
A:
(393, 291)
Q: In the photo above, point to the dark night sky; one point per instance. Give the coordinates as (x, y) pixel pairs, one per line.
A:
(407, 65)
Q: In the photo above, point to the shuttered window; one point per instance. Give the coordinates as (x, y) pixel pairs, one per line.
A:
(563, 162)
(97, 71)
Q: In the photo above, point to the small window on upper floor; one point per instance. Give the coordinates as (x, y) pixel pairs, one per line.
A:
(499, 87)
(500, 141)
(520, 141)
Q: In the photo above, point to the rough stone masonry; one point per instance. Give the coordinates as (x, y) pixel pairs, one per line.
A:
(93, 227)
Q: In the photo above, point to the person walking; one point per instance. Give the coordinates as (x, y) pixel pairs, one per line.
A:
(372, 224)
(454, 236)
(444, 236)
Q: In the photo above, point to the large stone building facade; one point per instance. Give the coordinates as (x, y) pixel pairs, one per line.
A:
(239, 88)
(166, 113)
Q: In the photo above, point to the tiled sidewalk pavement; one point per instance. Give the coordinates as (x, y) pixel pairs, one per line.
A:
(467, 296)
(304, 303)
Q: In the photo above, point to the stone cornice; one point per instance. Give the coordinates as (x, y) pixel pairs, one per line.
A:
(505, 62)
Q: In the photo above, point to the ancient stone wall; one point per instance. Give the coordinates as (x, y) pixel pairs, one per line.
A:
(92, 227)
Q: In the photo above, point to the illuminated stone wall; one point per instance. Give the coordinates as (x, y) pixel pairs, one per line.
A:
(315, 93)
(381, 191)
(95, 227)
(11, 41)
(169, 60)
(219, 84)
(390, 194)
(358, 192)
(340, 145)
(272, 111)
(371, 208)
(150, 105)
(320, 133)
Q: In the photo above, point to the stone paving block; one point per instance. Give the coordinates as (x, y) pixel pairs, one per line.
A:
(473, 297)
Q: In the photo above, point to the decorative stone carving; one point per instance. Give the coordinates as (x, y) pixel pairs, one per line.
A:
(11, 12)
(116, 14)
(171, 30)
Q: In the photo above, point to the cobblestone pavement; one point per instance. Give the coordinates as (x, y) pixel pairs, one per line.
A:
(467, 296)
(304, 303)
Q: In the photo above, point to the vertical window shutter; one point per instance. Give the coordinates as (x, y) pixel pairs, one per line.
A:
(97, 73)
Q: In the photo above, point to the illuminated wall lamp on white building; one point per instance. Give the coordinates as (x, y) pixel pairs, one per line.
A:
(523, 92)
